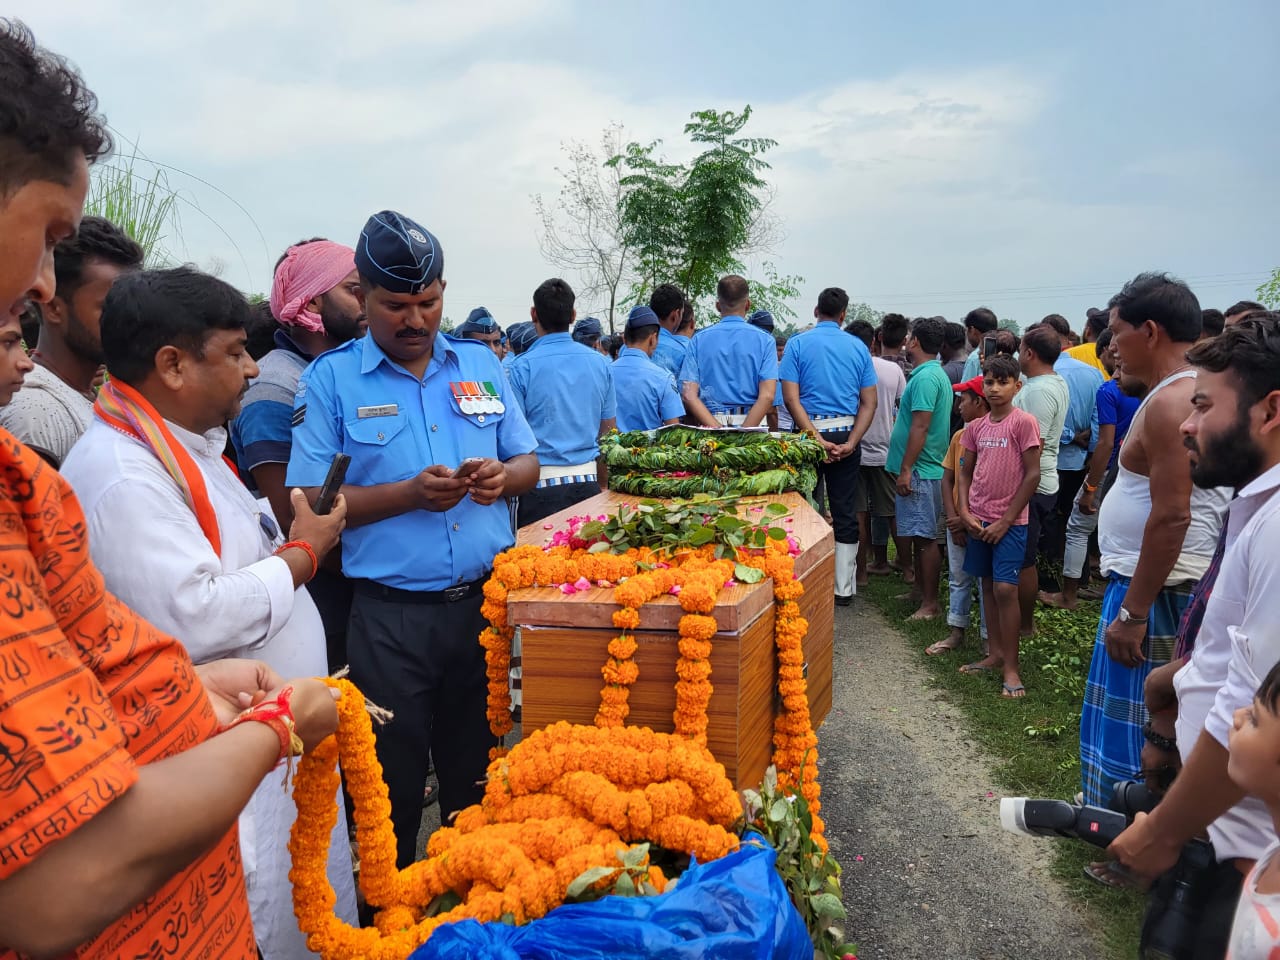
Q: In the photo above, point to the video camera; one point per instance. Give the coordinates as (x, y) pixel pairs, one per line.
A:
(1173, 912)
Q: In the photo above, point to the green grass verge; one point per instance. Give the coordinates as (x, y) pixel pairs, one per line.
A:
(1036, 738)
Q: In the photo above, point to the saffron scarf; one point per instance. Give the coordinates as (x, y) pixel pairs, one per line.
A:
(121, 407)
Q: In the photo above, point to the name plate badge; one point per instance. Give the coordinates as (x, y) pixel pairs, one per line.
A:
(385, 410)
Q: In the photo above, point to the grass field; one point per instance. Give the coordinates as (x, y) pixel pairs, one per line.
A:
(1037, 738)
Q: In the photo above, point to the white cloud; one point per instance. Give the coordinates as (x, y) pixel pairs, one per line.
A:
(314, 115)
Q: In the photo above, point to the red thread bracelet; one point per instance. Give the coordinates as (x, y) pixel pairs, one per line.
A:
(278, 715)
(306, 548)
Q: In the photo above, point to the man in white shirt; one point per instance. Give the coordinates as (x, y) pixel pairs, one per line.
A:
(1233, 440)
(56, 401)
(180, 540)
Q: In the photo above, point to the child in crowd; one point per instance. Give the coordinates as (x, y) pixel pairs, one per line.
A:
(973, 405)
(1254, 765)
(999, 473)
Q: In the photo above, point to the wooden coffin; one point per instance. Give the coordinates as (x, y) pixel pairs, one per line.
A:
(564, 640)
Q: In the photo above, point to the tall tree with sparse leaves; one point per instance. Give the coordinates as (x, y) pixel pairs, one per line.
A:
(581, 231)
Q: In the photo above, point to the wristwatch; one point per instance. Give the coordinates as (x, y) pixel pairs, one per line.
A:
(1127, 617)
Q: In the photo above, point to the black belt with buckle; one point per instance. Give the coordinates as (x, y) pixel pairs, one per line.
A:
(380, 591)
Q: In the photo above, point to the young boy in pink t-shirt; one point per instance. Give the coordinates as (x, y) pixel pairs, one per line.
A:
(997, 478)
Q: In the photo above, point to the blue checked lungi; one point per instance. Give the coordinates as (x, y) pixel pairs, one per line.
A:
(1114, 709)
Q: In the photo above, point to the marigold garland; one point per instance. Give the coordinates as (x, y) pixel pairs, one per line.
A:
(567, 798)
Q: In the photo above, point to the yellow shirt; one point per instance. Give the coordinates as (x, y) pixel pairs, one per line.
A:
(1086, 353)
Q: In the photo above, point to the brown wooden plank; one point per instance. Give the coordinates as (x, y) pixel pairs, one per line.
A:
(735, 608)
(817, 605)
(561, 681)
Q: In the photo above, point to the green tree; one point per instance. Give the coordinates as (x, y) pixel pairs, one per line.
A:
(691, 224)
(863, 311)
(1007, 324)
(1269, 292)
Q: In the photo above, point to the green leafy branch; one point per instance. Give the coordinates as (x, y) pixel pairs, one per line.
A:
(812, 876)
(631, 879)
(666, 526)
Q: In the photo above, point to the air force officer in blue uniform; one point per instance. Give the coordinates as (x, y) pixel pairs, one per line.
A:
(647, 395)
(829, 385)
(435, 443)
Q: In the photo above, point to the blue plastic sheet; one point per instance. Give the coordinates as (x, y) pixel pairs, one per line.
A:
(734, 908)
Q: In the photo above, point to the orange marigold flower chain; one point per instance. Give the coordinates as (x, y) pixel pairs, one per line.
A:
(567, 798)
(547, 816)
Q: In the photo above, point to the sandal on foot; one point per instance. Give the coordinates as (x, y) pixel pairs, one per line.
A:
(1016, 692)
(940, 647)
(1105, 874)
(976, 668)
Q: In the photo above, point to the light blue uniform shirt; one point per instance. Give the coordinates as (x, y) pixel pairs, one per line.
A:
(728, 361)
(972, 366)
(831, 368)
(1083, 382)
(564, 390)
(671, 351)
(407, 425)
(647, 395)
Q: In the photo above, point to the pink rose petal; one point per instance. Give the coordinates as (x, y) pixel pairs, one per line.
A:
(548, 526)
(582, 583)
(568, 588)
(675, 590)
(730, 583)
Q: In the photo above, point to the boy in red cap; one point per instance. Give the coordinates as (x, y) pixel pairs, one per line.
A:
(998, 475)
(973, 404)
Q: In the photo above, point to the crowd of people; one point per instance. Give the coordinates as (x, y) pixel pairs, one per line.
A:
(165, 442)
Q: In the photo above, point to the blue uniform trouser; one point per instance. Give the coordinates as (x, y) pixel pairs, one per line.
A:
(842, 479)
(424, 663)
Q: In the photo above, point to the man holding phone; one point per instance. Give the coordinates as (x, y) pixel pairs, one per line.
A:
(436, 442)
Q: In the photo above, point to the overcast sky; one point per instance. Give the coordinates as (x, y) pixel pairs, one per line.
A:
(933, 155)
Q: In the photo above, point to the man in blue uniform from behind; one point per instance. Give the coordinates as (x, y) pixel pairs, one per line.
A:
(590, 333)
(730, 374)
(668, 302)
(435, 443)
(520, 337)
(565, 390)
(829, 385)
(647, 395)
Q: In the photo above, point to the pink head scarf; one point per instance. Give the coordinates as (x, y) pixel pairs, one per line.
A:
(307, 271)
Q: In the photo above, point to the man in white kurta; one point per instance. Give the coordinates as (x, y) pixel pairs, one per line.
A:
(154, 555)
(151, 551)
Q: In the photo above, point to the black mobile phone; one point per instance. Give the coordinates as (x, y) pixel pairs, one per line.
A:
(332, 483)
(467, 467)
(988, 347)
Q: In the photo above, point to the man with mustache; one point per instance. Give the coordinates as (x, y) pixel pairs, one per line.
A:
(1233, 440)
(180, 540)
(436, 442)
(314, 299)
(1156, 538)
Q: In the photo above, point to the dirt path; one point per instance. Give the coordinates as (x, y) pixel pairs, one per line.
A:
(928, 871)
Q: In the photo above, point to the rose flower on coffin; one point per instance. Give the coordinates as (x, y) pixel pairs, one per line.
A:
(578, 810)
